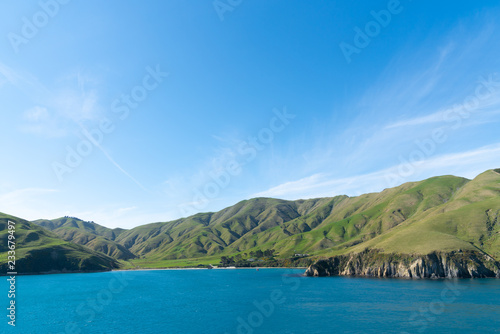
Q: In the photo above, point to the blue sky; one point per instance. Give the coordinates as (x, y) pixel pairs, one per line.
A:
(127, 113)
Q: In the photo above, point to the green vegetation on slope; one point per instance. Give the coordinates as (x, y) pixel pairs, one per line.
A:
(316, 226)
(468, 221)
(38, 250)
(89, 234)
(442, 214)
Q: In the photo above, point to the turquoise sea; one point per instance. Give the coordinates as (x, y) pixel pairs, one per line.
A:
(249, 301)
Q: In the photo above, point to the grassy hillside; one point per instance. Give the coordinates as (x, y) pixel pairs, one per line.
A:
(314, 226)
(207, 233)
(89, 234)
(39, 250)
(444, 214)
(469, 221)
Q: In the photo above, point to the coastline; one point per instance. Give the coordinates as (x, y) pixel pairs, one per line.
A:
(194, 268)
(144, 269)
(55, 272)
(435, 265)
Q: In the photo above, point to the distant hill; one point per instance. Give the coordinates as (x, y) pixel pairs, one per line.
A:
(40, 251)
(442, 214)
(470, 219)
(416, 217)
(89, 234)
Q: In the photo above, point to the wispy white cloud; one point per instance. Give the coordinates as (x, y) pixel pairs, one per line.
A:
(35, 203)
(125, 217)
(36, 114)
(27, 203)
(17, 196)
(426, 84)
(58, 110)
(490, 100)
(40, 121)
(63, 109)
(128, 209)
(113, 161)
(77, 106)
(26, 83)
(466, 164)
(424, 88)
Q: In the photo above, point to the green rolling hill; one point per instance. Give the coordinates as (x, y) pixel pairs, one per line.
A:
(89, 234)
(469, 220)
(325, 226)
(441, 214)
(40, 251)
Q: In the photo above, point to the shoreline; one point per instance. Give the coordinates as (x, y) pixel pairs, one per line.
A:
(143, 269)
(194, 268)
(57, 273)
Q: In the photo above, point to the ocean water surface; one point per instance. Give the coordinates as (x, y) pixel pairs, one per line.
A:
(249, 301)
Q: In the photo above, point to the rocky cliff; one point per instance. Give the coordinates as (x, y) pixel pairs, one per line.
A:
(460, 264)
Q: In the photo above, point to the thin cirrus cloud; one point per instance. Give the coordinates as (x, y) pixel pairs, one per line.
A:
(346, 143)
(428, 88)
(40, 121)
(29, 203)
(53, 111)
(64, 112)
(491, 100)
(20, 195)
(466, 164)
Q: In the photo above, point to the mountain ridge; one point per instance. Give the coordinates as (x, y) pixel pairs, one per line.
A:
(441, 214)
(40, 251)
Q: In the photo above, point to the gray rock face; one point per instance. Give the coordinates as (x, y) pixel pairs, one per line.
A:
(435, 265)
